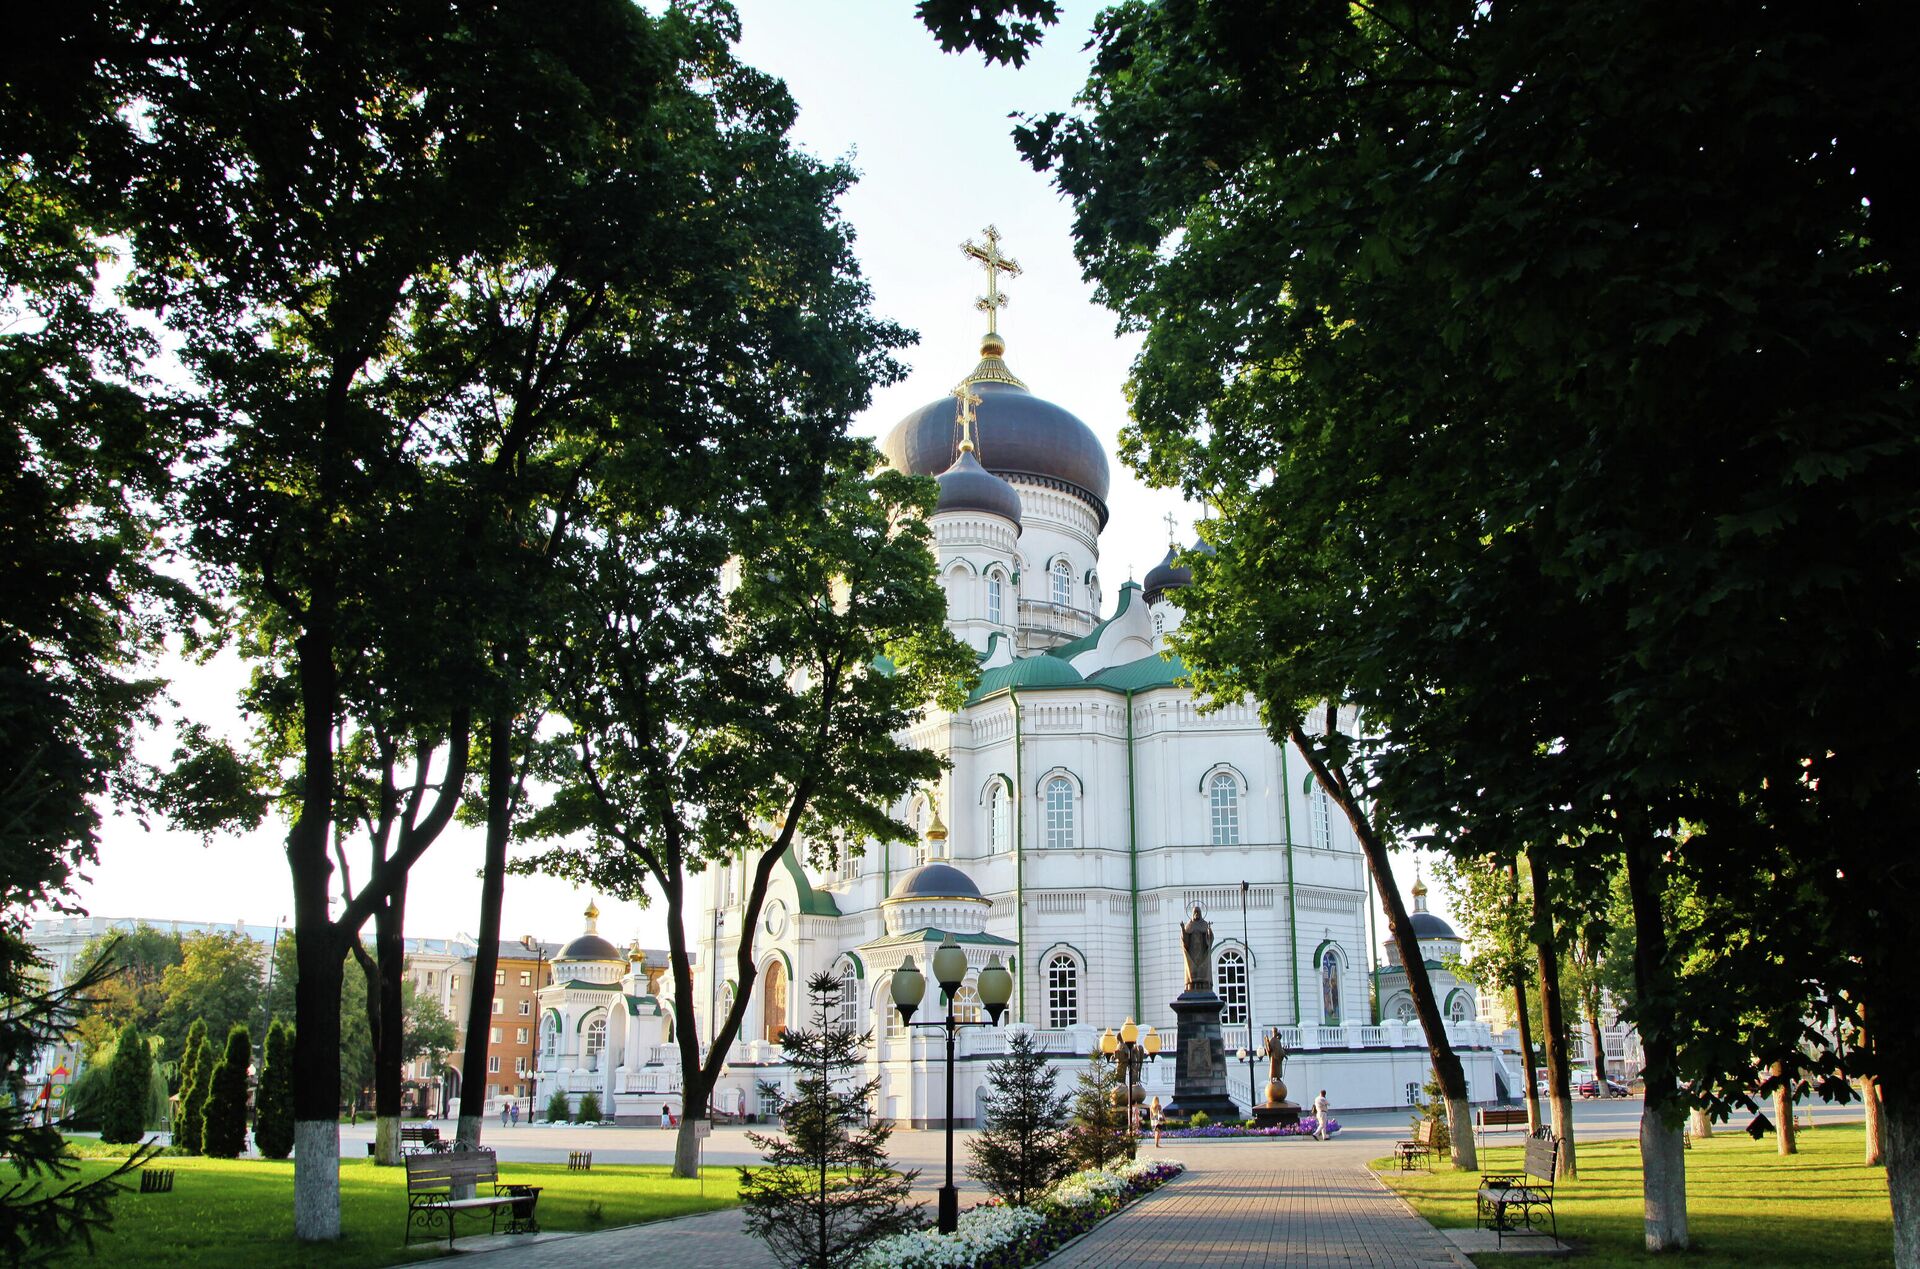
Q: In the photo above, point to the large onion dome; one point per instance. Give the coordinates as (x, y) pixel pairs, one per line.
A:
(1165, 576)
(1021, 436)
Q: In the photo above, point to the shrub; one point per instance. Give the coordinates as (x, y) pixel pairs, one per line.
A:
(190, 1123)
(1200, 1119)
(1022, 1148)
(273, 1116)
(129, 1081)
(559, 1110)
(225, 1135)
(1434, 1108)
(1100, 1133)
(589, 1108)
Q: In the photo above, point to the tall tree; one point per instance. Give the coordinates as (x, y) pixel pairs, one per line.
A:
(1021, 1149)
(273, 1104)
(132, 991)
(129, 1088)
(217, 982)
(226, 1113)
(735, 691)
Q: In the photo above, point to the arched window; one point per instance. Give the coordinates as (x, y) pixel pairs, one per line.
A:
(773, 995)
(1223, 793)
(551, 1044)
(1404, 1011)
(1319, 818)
(1230, 976)
(1460, 1010)
(1063, 992)
(883, 1002)
(1159, 623)
(1062, 582)
(596, 1041)
(1330, 988)
(966, 1005)
(999, 819)
(1060, 812)
(994, 597)
(849, 999)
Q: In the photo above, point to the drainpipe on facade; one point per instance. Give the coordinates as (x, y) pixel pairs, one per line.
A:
(1133, 861)
(1019, 858)
(1293, 912)
(1373, 944)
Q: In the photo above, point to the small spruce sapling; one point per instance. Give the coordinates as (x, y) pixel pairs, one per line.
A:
(1100, 1133)
(1022, 1150)
(828, 1188)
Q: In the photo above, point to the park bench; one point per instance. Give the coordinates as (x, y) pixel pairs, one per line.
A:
(579, 1160)
(1528, 1192)
(1501, 1117)
(1420, 1147)
(425, 1136)
(435, 1178)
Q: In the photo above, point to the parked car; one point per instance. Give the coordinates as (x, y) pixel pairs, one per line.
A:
(1590, 1087)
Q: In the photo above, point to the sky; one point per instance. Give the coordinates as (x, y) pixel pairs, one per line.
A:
(929, 134)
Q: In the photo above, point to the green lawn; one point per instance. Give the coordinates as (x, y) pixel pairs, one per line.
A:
(240, 1211)
(1747, 1205)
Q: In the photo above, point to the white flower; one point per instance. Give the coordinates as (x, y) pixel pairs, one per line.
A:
(982, 1231)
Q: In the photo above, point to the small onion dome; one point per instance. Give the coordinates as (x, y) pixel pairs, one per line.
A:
(590, 947)
(1428, 926)
(967, 486)
(935, 881)
(1166, 576)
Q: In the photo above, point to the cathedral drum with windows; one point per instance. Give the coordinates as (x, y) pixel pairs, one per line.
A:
(1090, 805)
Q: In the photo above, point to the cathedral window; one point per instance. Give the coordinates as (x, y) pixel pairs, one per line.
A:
(883, 1003)
(1330, 988)
(1223, 792)
(552, 1042)
(849, 999)
(1404, 1011)
(596, 1041)
(999, 819)
(1230, 975)
(994, 597)
(1063, 992)
(1062, 582)
(966, 1005)
(773, 993)
(1060, 813)
(1319, 818)
(1459, 1010)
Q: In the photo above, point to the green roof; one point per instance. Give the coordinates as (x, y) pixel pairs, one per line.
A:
(1090, 640)
(812, 902)
(640, 1004)
(931, 935)
(1152, 670)
(581, 984)
(1035, 671)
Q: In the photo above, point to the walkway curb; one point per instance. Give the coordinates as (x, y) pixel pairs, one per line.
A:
(1459, 1258)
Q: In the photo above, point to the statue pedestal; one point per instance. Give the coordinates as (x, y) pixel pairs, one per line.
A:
(1200, 1060)
(1285, 1115)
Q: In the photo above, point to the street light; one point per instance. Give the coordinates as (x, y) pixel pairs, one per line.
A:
(950, 970)
(540, 964)
(1132, 1050)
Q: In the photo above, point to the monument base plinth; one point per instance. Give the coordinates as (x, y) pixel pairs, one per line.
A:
(1200, 1060)
(1285, 1115)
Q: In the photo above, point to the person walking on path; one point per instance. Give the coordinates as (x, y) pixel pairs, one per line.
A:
(1153, 1112)
(1320, 1108)
(504, 1111)
(516, 1114)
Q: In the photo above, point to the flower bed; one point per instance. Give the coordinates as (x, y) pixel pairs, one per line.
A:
(993, 1236)
(1304, 1128)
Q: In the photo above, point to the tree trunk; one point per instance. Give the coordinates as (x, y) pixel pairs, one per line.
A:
(1592, 1008)
(389, 923)
(316, 995)
(1553, 1021)
(1446, 1063)
(1901, 1117)
(1663, 1165)
(1876, 1123)
(486, 960)
(1700, 1123)
(1785, 1134)
(1526, 1054)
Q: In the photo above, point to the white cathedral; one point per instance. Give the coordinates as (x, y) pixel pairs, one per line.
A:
(1090, 805)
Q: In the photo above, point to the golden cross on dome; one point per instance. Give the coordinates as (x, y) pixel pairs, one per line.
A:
(964, 416)
(1171, 540)
(995, 264)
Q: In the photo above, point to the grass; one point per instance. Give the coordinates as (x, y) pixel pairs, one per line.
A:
(229, 1211)
(1747, 1205)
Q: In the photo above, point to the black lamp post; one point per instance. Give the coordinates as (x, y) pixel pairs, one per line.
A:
(1132, 1050)
(950, 971)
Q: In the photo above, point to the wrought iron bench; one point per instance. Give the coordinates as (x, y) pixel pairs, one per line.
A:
(426, 1136)
(434, 1178)
(1522, 1195)
(1420, 1147)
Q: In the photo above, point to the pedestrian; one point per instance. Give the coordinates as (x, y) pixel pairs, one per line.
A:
(504, 1112)
(516, 1114)
(1320, 1107)
(1153, 1112)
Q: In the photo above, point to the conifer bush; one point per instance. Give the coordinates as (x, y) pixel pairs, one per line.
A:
(273, 1114)
(225, 1134)
(1100, 1133)
(1022, 1148)
(559, 1110)
(829, 1188)
(189, 1121)
(129, 1081)
(589, 1108)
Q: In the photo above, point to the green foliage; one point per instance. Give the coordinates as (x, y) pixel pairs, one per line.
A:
(430, 1032)
(216, 982)
(1200, 1119)
(1099, 1135)
(1021, 1149)
(196, 1089)
(559, 1110)
(273, 1117)
(589, 1112)
(1003, 31)
(356, 1036)
(183, 1066)
(828, 1189)
(1433, 1109)
(226, 1113)
(132, 991)
(130, 1083)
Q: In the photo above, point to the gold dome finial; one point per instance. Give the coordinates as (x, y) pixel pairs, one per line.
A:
(936, 831)
(593, 917)
(967, 399)
(995, 264)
